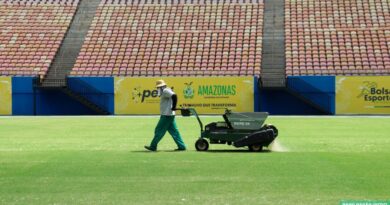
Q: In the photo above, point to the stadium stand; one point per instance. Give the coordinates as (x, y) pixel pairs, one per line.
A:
(31, 31)
(337, 37)
(173, 37)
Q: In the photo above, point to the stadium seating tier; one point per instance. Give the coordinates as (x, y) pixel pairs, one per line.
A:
(337, 37)
(135, 38)
(31, 32)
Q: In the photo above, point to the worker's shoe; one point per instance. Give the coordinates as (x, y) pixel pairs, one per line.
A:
(180, 149)
(150, 148)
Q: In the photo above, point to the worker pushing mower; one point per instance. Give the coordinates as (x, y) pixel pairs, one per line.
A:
(238, 129)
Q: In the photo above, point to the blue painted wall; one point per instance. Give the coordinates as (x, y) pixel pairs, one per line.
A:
(256, 90)
(53, 102)
(22, 96)
(320, 90)
(281, 102)
(102, 92)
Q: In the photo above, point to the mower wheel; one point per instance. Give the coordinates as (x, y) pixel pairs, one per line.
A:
(255, 148)
(201, 144)
(274, 129)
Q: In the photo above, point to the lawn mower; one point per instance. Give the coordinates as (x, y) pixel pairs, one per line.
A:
(237, 129)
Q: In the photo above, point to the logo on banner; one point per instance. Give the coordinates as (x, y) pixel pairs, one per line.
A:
(217, 91)
(366, 87)
(139, 95)
(136, 94)
(188, 91)
(371, 92)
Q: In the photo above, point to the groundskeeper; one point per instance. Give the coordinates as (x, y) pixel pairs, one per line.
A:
(168, 101)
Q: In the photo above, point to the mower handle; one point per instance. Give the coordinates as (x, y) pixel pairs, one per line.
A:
(192, 111)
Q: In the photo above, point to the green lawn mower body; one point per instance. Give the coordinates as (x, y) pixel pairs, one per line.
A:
(237, 129)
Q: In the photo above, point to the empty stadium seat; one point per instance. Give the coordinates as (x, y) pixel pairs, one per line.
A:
(31, 32)
(337, 37)
(176, 37)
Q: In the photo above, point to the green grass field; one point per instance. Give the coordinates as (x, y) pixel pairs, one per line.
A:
(101, 160)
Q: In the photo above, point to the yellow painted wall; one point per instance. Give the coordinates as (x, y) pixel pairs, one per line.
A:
(363, 95)
(209, 95)
(5, 95)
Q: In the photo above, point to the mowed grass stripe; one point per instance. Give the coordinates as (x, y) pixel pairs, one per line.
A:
(102, 161)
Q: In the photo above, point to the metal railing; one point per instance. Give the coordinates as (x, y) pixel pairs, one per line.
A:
(51, 83)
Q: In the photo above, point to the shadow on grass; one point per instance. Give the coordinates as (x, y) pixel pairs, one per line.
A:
(209, 151)
(146, 151)
(236, 151)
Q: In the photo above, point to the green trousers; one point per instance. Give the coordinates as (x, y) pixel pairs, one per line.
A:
(167, 123)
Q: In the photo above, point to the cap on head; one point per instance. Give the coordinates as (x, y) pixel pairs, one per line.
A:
(160, 83)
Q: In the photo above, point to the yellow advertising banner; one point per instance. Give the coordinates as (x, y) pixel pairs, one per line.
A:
(209, 95)
(5, 95)
(363, 95)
